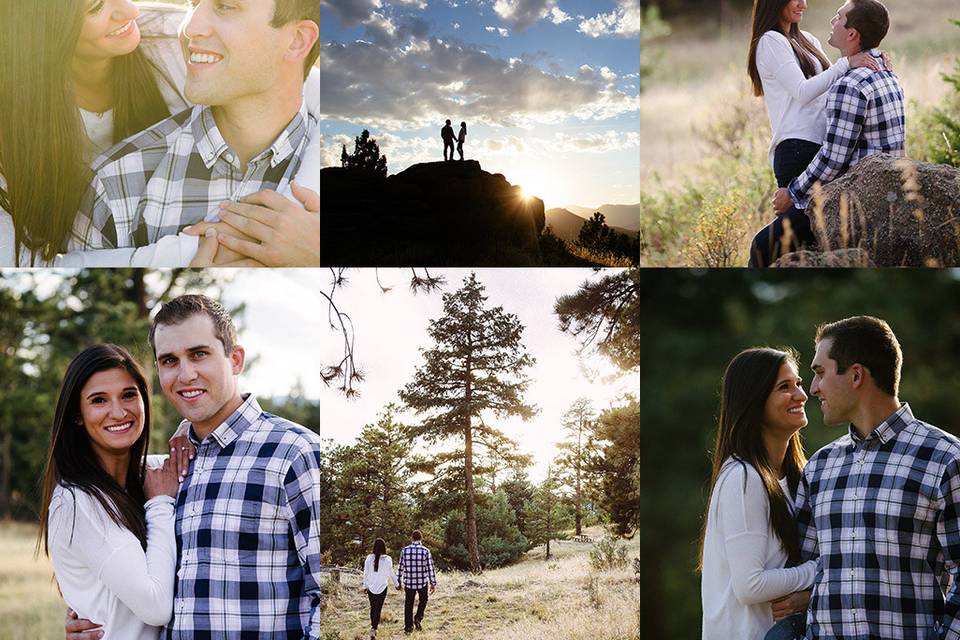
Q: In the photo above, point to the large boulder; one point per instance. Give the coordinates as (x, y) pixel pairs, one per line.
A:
(431, 214)
(819, 259)
(900, 211)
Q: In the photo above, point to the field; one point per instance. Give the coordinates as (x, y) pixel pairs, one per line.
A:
(702, 126)
(562, 599)
(30, 605)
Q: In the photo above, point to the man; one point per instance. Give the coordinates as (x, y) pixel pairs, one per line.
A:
(226, 157)
(414, 572)
(865, 115)
(248, 513)
(878, 507)
(447, 134)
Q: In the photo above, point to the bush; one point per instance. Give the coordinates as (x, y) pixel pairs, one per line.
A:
(608, 554)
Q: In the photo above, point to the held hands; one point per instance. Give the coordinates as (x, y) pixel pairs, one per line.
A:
(163, 481)
(788, 605)
(781, 200)
(76, 628)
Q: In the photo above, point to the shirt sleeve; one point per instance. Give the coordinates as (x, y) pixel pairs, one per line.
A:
(301, 487)
(806, 528)
(744, 518)
(400, 569)
(391, 576)
(433, 573)
(170, 251)
(367, 572)
(93, 226)
(948, 534)
(846, 112)
(775, 57)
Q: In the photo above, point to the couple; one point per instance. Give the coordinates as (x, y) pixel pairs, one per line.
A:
(825, 118)
(149, 134)
(861, 541)
(447, 134)
(416, 576)
(229, 547)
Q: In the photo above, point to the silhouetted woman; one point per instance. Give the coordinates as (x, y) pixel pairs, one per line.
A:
(377, 576)
(749, 533)
(461, 137)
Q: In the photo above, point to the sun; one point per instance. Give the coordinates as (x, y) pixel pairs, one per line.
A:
(532, 183)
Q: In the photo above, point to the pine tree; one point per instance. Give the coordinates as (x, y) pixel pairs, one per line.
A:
(546, 516)
(366, 155)
(573, 465)
(619, 466)
(945, 148)
(476, 365)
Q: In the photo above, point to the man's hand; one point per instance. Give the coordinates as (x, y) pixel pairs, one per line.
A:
(433, 588)
(788, 605)
(211, 253)
(76, 628)
(781, 200)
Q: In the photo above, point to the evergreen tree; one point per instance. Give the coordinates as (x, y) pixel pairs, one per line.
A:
(573, 464)
(476, 365)
(366, 155)
(546, 516)
(945, 148)
(619, 466)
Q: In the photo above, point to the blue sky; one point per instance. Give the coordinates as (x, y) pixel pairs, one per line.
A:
(548, 88)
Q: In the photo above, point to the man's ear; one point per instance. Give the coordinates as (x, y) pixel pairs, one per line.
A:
(237, 359)
(306, 34)
(858, 375)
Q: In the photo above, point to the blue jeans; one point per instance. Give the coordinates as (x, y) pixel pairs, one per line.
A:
(794, 628)
(790, 158)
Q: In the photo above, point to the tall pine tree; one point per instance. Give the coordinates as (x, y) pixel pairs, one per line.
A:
(577, 449)
(476, 365)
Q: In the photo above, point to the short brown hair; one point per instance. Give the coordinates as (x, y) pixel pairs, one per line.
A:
(867, 341)
(286, 11)
(186, 306)
(416, 535)
(870, 19)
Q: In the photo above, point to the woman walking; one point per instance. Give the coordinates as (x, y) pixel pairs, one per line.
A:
(377, 576)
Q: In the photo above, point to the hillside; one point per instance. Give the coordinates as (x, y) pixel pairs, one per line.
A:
(531, 600)
(625, 216)
(566, 225)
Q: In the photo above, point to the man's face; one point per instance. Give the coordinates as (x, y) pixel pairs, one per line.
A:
(231, 50)
(839, 34)
(835, 391)
(196, 376)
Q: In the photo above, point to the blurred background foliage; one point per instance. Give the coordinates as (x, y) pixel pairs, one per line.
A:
(693, 323)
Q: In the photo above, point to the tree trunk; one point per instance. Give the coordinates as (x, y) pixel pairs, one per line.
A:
(6, 456)
(578, 502)
(472, 550)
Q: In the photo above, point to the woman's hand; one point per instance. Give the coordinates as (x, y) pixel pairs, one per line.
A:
(182, 450)
(863, 59)
(163, 481)
(788, 605)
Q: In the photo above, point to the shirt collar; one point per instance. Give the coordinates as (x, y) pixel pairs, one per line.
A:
(235, 424)
(211, 145)
(889, 428)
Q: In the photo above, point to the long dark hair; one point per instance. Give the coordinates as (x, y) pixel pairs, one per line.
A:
(42, 139)
(747, 383)
(71, 460)
(379, 549)
(766, 17)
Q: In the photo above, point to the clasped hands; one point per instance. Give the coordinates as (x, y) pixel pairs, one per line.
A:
(781, 200)
(263, 229)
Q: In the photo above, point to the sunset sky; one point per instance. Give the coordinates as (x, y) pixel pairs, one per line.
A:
(549, 88)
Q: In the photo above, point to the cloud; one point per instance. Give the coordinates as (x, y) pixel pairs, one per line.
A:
(523, 13)
(596, 142)
(557, 15)
(624, 21)
(427, 80)
(354, 12)
(503, 32)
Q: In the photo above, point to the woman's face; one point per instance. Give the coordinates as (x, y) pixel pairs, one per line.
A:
(111, 408)
(793, 11)
(784, 411)
(109, 29)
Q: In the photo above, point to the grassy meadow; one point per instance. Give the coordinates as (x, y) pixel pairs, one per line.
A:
(30, 605)
(704, 161)
(559, 599)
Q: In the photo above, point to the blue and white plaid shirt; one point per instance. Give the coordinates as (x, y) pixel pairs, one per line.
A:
(248, 532)
(882, 517)
(175, 174)
(416, 567)
(865, 115)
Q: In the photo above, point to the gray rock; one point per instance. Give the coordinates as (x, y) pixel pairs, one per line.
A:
(836, 258)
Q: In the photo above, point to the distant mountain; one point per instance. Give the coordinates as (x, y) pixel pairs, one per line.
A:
(616, 215)
(566, 225)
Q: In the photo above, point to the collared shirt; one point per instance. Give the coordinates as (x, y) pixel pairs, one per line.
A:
(865, 115)
(248, 532)
(175, 174)
(880, 516)
(416, 567)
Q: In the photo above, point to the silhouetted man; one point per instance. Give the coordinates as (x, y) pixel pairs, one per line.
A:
(415, 572)
(447, 134)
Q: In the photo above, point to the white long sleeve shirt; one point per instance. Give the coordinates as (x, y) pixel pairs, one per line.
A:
(743, 559)
(104, 573)
(376, 581)
(796, 105)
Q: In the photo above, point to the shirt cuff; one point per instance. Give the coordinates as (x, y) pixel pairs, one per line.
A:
(798, 202)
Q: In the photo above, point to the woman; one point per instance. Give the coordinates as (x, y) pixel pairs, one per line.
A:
(749, 533)
(461, 137)
(377, 573)
(77, 76)
(101, 505)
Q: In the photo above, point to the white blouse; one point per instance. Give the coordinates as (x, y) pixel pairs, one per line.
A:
(743, 558)
(103, 572)
(376, 581)
(796, 105)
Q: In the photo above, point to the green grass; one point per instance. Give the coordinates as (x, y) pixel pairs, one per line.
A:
(30, 604)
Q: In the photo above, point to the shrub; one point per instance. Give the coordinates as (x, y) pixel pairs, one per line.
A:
(608, 553)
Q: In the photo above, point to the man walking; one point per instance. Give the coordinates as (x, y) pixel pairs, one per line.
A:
(447, 134)
(414, 573)
(879, 506)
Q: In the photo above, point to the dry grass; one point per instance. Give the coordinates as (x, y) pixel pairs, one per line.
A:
(532, 600)
(30, 606)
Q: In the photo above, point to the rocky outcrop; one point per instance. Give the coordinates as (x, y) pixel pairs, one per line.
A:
(900, 211)
(818, 259)
(431, 214)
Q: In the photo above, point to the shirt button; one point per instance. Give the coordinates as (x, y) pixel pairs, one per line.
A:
(229, 157)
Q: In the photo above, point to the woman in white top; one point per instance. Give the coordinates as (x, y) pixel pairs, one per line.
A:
(76, 77)
(749, 534)
(377, 576)
(107, 521)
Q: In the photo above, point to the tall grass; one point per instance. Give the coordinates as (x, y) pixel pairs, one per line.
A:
(30, 605)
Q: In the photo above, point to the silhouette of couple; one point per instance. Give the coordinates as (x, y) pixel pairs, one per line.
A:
(447, 134)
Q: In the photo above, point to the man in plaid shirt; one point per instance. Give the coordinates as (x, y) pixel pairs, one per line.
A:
(414, 573)
(246, 135)
(878, 508)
